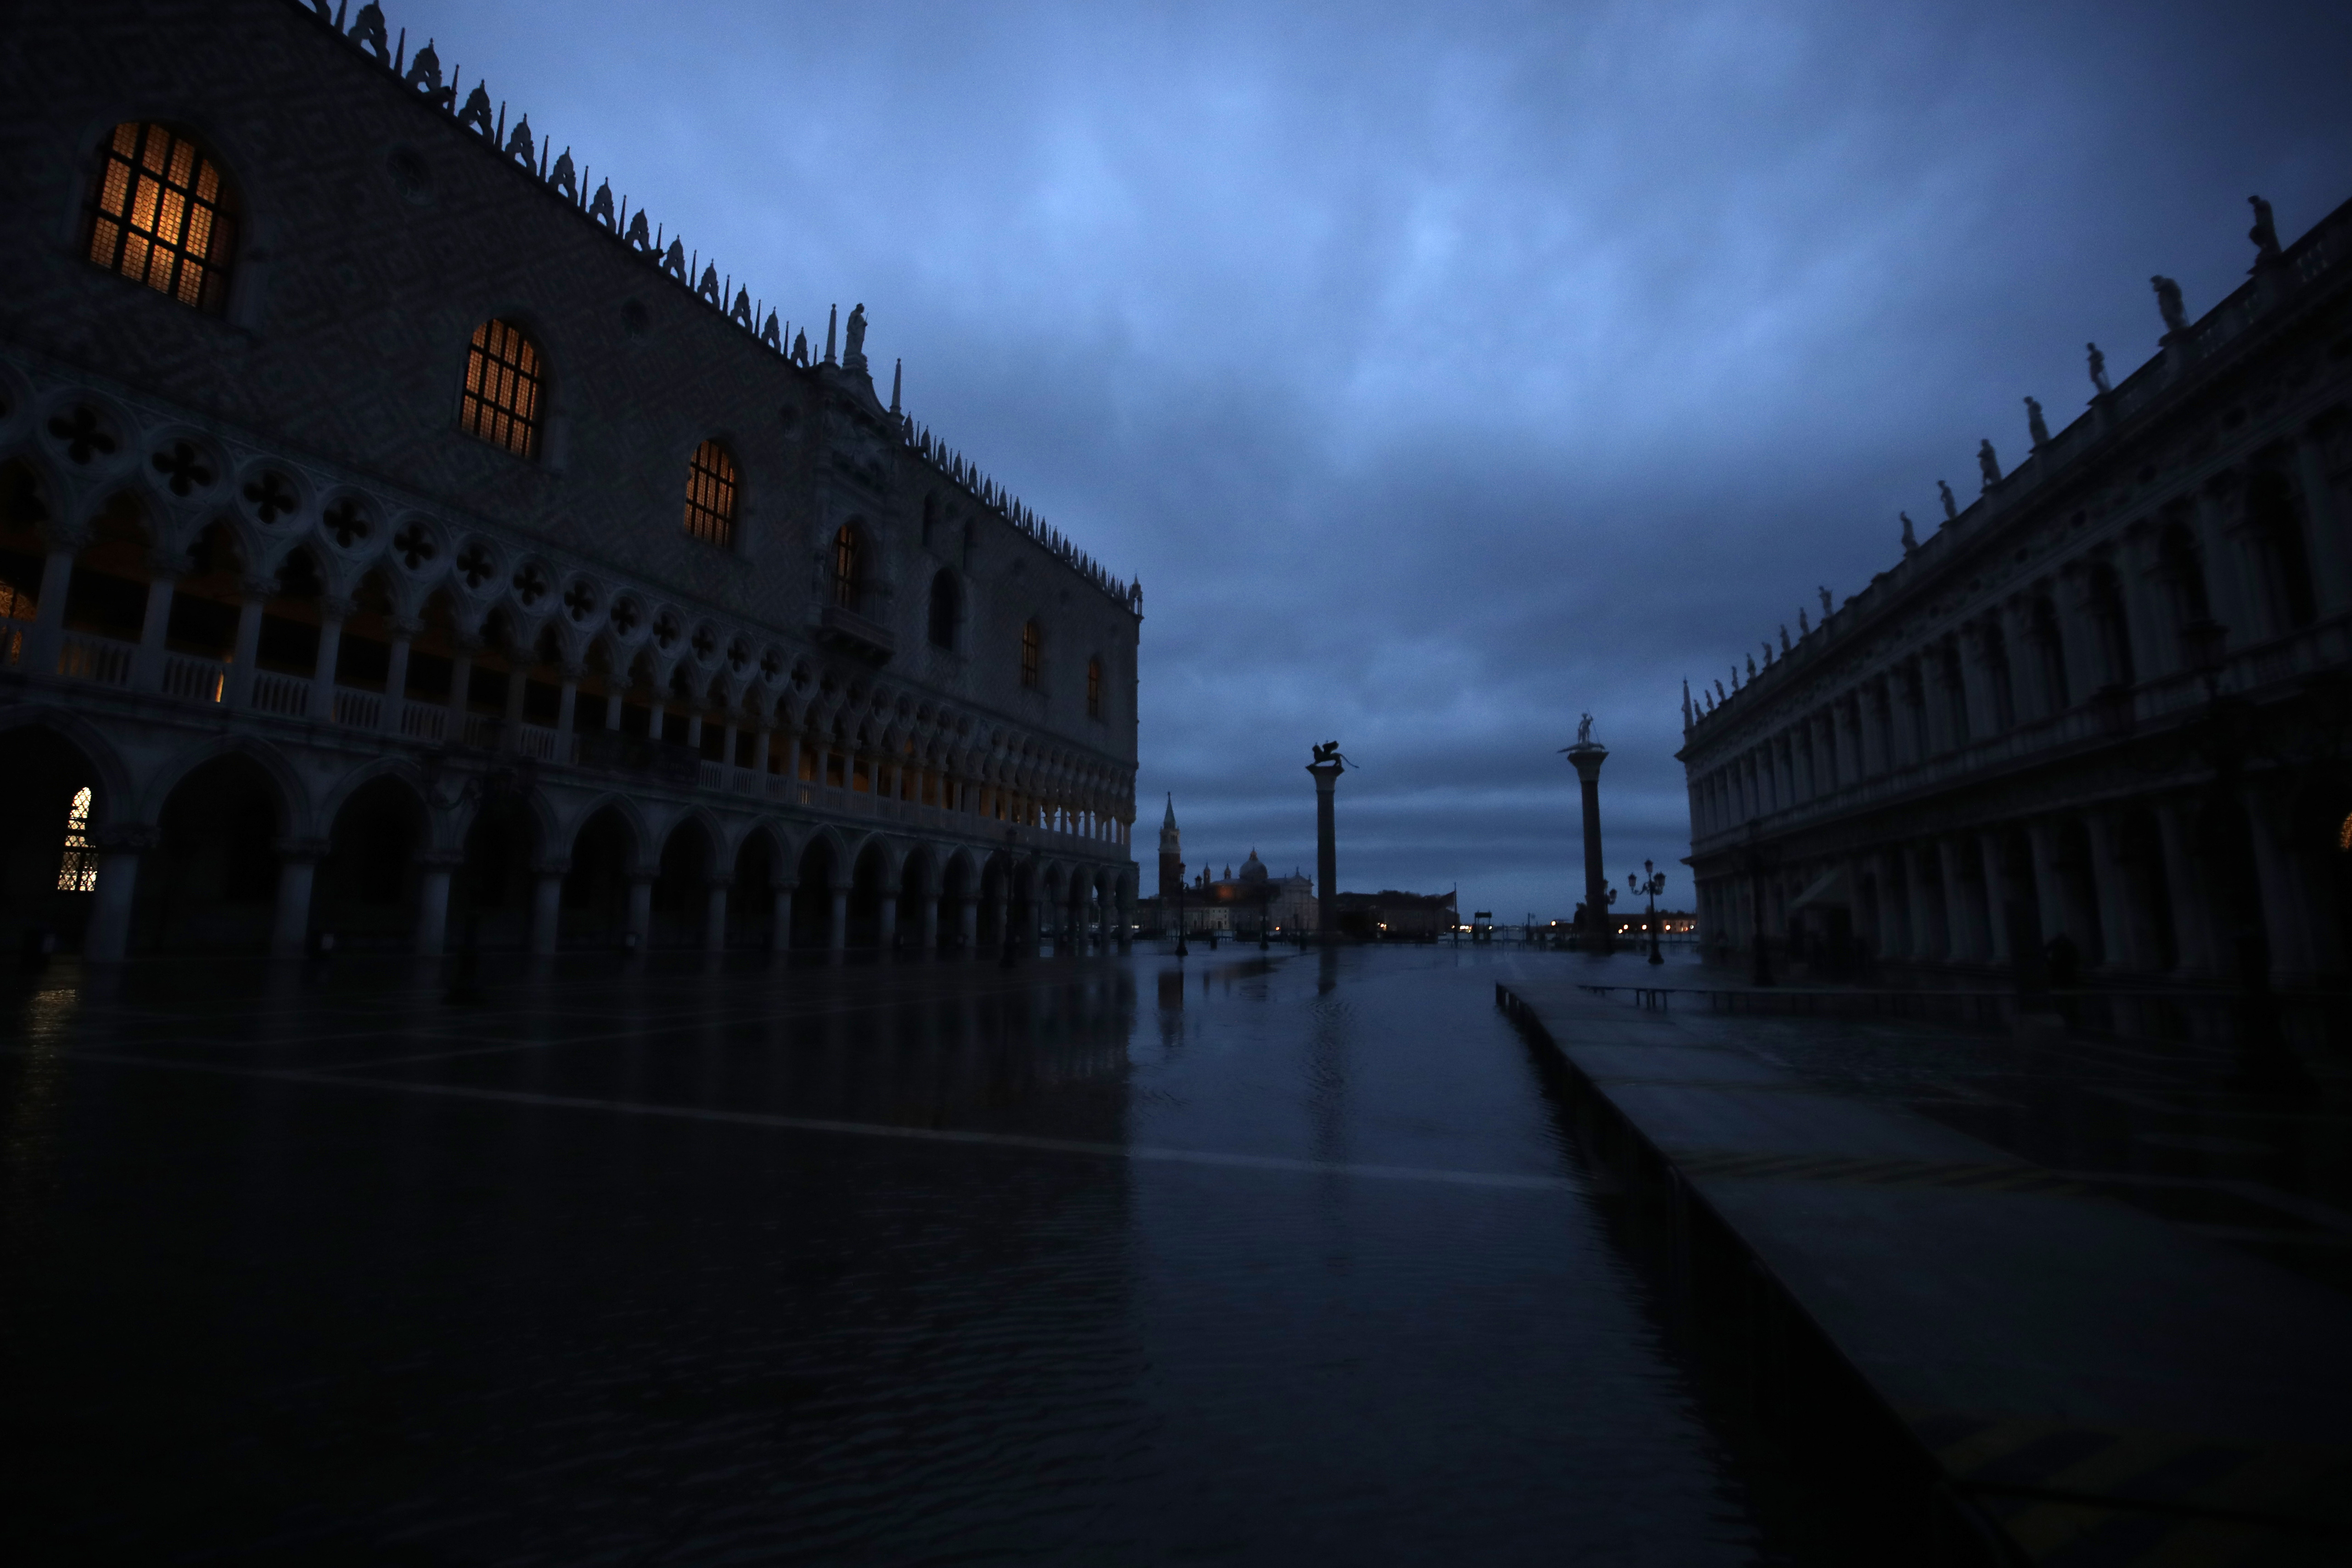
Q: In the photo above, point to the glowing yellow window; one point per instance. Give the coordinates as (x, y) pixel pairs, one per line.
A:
(710, 496)
(504, 384)
(161, 215)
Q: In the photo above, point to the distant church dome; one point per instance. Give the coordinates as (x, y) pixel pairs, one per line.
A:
(1253, 868)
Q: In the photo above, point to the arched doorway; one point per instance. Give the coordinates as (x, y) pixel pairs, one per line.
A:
(752, 903)
(48, 860)
(594, 909)
(813, 895)
(489, 900)
(212, 886)
(366, 888)
(681, 890)
(867, 885)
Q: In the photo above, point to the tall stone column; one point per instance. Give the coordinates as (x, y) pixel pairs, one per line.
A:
(567, 705)
(395, 676)
(1327, 846)
(2331, 553)
(641, 908)
(253, 593)
(48, 634)
(1959, 922)
(930, 907)
(714, 915)
(2049, 897)
(297, 864)
(968, 921)
(154, 630)
(779, 920)
(1997, 896)
(886, 927)
(433, 901)
(461, 684)
(837, 936)
(2191, 928)
(332, 613)
(1586, 757)
(107, 938)
(547, 905)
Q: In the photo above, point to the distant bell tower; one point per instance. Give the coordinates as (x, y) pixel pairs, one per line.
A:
(1171, 853)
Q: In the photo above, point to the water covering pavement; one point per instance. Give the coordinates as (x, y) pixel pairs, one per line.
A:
(1095, 1259)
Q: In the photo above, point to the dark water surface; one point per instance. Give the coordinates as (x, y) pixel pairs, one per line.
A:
(1088, 1261)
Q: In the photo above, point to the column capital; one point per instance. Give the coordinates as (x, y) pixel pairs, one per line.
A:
(335, 607)
(128, 838)
(256, 589)
(302, 849)
(441, 859)
(166, 565)
(719, 879)
(402, 627)
(556, 866)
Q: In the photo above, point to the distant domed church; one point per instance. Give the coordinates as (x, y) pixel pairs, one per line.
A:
(1238, 902)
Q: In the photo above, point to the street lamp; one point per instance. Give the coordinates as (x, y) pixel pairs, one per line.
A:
(1650, 883)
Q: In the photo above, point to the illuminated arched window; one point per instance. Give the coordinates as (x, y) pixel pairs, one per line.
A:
(1033, 653)
(1094, 688)
(162, 214)
(844, 567)
(505, 387)
(78, 871)
(710, 496)
(2344, 835)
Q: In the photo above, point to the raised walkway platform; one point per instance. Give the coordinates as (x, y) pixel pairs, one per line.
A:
(2076, 1380)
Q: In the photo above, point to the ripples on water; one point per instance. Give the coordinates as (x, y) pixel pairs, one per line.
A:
(441, 1316)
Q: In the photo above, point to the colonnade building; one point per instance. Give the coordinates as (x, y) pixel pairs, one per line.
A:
(2106, 701)
(400, 541)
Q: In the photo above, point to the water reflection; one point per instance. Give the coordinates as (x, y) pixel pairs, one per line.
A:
(926, 1263)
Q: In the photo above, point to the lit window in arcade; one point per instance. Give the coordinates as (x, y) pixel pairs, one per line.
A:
(78, 871)
(503, 387)
(161, 215)
(710, 496)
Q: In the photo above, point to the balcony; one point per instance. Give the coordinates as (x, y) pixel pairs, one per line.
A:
(846, 630)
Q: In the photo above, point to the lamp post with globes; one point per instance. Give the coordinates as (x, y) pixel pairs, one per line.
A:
(1650, 883)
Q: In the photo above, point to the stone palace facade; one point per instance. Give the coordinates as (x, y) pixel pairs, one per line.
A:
(400, 542)
(2107, 700)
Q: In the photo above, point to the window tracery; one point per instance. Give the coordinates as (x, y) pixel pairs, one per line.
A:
(504, 387)
(162, 214)
(710, 496)
(78, 867)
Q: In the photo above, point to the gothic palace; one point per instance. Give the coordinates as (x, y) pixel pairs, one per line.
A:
(2106, 702)
(400, 542)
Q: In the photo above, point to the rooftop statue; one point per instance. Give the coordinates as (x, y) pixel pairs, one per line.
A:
(1988, 465)
(2035, 424)
(2265, 233)
(1910, 539)
(2098, 370)
(853, 338)
(2167, 301)
(1952, 507)
(1825, 601)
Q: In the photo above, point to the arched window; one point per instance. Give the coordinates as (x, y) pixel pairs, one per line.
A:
(1094, 688)
(78, 870)
(845, 582)
(162, 214)
(943, 609)
(504, 389)
(710, 496)
(2107, 619)
(2284, 562)
(1033, 653)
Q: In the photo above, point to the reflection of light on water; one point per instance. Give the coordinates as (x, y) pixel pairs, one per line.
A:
(30, 1139)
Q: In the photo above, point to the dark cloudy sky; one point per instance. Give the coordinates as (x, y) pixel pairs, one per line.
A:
(1445, 371)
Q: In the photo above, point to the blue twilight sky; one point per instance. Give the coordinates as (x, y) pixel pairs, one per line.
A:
(1445, 371)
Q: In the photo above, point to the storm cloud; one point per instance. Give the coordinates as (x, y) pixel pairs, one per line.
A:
(1446, 372)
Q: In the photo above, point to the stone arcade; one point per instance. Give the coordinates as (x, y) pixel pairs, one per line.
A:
(400, 542)
(2106, 701)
